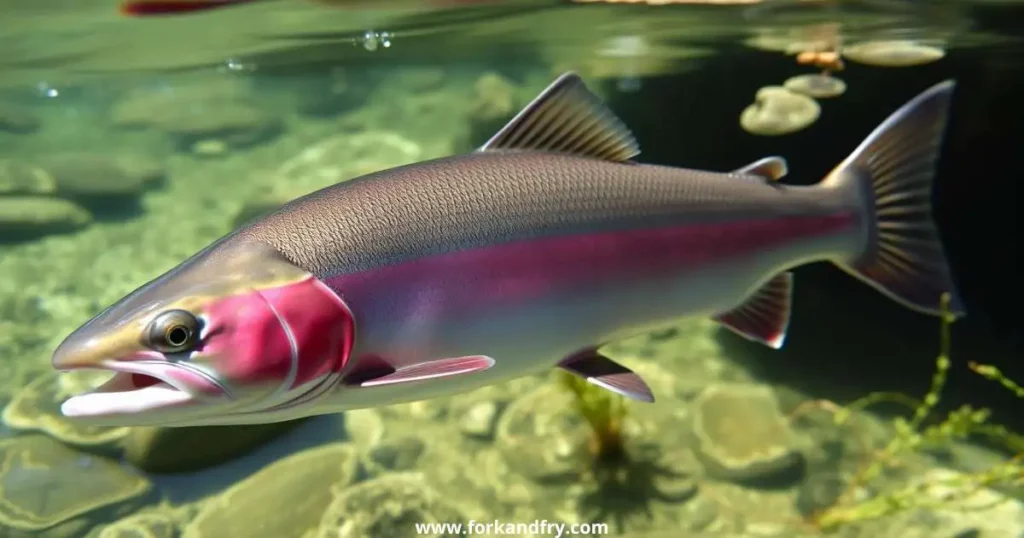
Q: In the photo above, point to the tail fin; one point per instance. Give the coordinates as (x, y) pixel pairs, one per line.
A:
(895, 168)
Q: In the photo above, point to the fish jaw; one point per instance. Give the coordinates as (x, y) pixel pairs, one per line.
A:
(141, 386)
(264, 338)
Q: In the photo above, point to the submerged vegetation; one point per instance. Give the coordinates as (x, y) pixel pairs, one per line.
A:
(914, 434)
(870, 493)
(604, 412)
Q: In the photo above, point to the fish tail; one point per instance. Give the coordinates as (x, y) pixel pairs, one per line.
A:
(891, 174)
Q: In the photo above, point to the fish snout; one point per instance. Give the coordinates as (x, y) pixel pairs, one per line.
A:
(81, 350)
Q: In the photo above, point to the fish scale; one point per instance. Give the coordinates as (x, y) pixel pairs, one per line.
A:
(465, 202)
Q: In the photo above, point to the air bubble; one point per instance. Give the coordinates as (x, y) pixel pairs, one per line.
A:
(235, 65)
(372, 40)
(46, 90)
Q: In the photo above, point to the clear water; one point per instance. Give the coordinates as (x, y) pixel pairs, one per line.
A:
(126, 145)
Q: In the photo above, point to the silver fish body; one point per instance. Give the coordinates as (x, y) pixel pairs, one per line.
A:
(443, 276)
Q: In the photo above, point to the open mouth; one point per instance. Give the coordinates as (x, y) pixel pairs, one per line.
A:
(135, 387)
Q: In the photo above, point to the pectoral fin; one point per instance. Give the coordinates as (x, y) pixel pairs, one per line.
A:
(377, 372)
(607, 374)
(764, 317)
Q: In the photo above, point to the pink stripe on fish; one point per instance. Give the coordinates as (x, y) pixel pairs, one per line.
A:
(517, 272)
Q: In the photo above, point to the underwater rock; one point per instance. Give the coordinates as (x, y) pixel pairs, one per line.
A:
(952, 511)
(493, 103)
(15, 119)
(211, 110)
(51, 490)
(209, 148)
(418, 79)
(430, 449)
(778, 111)
(741, 433)
(628, 58)
(700, 513)
(284, 499)
(257, 207)
(326, 95)
(542, 437)
(435, 120)
(494, 98)
(386, 506)
(235, 125)
(181, 449)
(36, 407)
(431, 409)
(333, 91)
(794, 40)
(363, 427)
(816, 86)
(24, 334)
(34, 216)
(340, 158)
(22, 178)
(87, 178)
(819, 491)
(546, 437)
(159, 523)
(479, 420)
(894, 53)
(396, 454)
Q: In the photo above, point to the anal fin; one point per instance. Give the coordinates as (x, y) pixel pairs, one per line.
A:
(764, 317)
(378, 374)
(607, 374)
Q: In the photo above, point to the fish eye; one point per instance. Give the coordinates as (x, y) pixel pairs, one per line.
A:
(173, 331)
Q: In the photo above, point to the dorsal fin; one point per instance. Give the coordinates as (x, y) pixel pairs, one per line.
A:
(773, 168)
(568, 118)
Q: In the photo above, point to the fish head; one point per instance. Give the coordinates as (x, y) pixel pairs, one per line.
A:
(235, 334)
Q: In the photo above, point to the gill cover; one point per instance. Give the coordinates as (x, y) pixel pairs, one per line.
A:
(236, 328)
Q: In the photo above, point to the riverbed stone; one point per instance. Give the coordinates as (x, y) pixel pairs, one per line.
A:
(16, 119)
(29, 216)
(400, 453)
(284, 499)
(88, 178)
(36, 407)
(226, 111)
(479, 420)
(184, 449)
(390, 505)
(741, 434)
(150, 523)
(18, 177)
(50, 490)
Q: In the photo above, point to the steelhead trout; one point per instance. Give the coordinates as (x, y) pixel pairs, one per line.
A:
(532, 252)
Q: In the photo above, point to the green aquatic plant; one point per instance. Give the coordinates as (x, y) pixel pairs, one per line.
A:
(624, 471)
(913, 434)
(604, 411)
